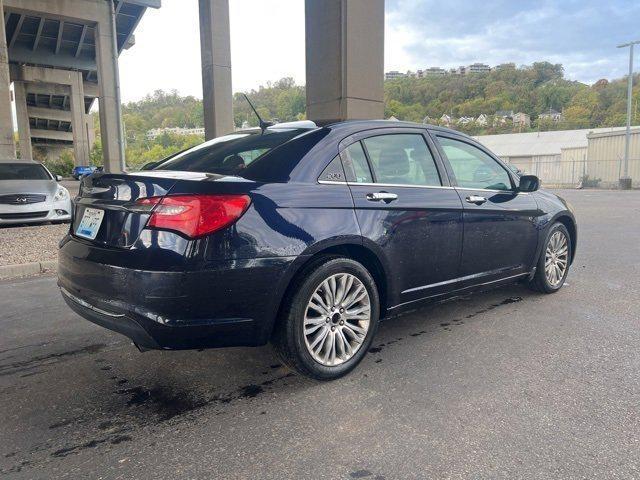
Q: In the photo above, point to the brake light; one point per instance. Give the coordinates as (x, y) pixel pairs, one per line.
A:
(195, 215)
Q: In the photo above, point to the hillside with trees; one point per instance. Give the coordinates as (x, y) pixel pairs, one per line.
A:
(530, 89)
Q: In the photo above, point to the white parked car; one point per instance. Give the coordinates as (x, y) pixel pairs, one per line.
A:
(29, 193)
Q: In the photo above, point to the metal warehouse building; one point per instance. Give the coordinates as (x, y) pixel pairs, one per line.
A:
(566, 158)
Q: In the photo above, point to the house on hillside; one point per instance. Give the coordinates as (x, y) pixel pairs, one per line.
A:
(482, 120)
(506, 66)
(465, 120)
(502, 117)
(445, 120)
(551, 115)
(394, 74)
(435, 72)
(479, 68)
(521, 120)
(156, 132)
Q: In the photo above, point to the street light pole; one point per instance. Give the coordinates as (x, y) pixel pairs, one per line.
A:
(625, 181)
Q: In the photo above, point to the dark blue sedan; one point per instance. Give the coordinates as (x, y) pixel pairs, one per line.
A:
(306, 236)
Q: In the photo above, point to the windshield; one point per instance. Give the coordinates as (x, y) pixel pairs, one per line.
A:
(23, 171)
(228, 155)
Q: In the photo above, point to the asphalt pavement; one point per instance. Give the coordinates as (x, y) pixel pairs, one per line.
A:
(504, 384)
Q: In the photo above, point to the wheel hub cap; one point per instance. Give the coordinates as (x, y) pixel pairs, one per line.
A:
(337, 319)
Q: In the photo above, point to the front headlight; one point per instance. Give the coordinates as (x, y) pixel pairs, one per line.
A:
(61, 194)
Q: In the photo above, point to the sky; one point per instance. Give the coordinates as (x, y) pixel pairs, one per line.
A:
(267, 39)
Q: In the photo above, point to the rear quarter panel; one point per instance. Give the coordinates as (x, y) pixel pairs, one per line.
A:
(295, 219)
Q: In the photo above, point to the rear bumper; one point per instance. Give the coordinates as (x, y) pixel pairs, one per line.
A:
(232, 303)
(148, 334)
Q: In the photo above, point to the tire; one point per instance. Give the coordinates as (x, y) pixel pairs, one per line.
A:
(541, 281)
(296, 349)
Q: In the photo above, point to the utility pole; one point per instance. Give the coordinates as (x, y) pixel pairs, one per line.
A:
(625, 180)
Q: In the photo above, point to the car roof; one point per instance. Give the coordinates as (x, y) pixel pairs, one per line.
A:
(351, 126)
(373, 124)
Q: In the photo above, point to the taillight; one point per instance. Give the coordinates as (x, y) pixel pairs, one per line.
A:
(195, 215)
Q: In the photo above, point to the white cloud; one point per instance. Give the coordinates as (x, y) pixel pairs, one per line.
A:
(267, 40)
(267, 43)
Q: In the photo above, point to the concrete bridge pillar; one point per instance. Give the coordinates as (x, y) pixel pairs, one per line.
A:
(345, 59)
(24, 129)
(7, 142)
(111, 131)
(215, 50)
(78, 121)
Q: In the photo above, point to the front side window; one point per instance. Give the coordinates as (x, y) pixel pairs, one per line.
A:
(402, 159)
(473, 168)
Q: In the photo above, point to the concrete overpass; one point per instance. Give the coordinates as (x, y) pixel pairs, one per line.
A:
(63, 54)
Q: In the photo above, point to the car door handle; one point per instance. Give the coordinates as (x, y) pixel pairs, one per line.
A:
(477, 199)
(382, 197)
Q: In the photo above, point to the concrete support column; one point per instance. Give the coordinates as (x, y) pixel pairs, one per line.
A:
(7, 142)
(111, 131)
(215, 49)
(24, 129)
(78, 122)
(91, 131)
(345, 59)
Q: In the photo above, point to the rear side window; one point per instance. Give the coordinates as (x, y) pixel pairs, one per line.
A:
(402, 159)
(334, 172)
(355, 164)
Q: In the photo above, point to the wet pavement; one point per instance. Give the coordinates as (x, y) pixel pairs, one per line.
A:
(504, 384)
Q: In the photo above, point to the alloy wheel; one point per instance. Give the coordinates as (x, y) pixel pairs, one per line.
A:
(556, 259)
(337, 319)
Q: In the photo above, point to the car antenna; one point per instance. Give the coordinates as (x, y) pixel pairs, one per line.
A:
(263, 125)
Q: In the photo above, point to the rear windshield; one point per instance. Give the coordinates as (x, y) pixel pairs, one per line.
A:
(228, 155)
(23, 171)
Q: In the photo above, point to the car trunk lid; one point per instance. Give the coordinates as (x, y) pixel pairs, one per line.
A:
(117, 194)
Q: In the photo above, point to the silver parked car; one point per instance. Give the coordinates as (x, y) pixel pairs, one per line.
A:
(29, 193)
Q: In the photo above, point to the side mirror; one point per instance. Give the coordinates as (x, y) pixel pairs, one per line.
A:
(58, 178)
(529, 183)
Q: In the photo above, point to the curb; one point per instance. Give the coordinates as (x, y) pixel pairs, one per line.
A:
(27, 269)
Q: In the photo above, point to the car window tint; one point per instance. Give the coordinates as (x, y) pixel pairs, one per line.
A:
(334, 171)
(473, 168)
(355, 164)
(402, 159)
(23, 171)
(230, 154)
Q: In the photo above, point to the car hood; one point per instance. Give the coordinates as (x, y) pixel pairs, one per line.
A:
(44, 187)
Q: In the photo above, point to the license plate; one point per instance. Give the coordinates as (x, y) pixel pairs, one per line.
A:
(90, 223)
